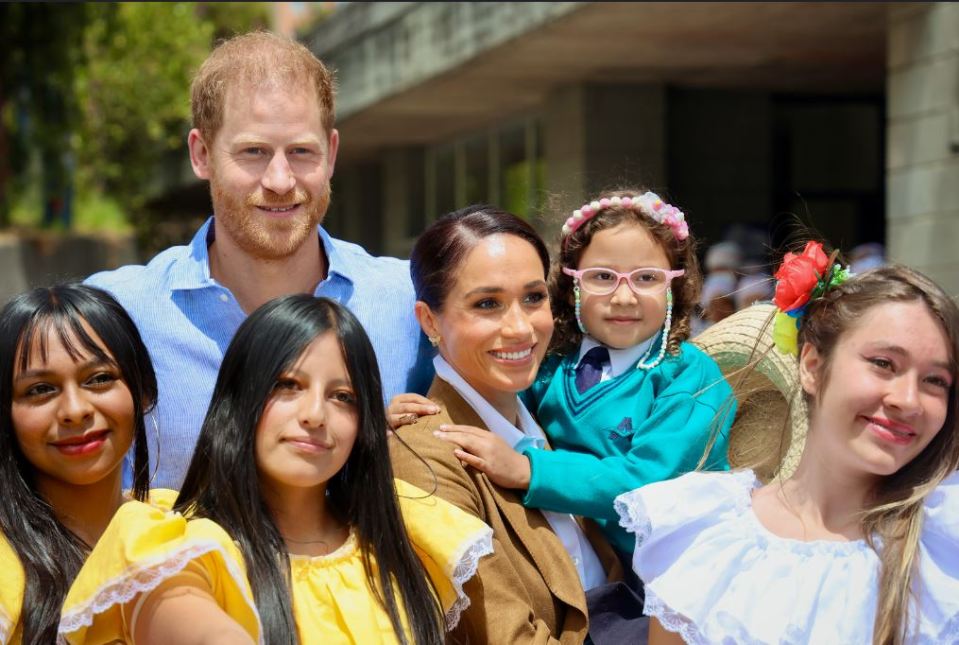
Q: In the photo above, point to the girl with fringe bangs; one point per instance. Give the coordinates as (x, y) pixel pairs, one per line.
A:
(859, 544)
(288, 528)
(75, 382)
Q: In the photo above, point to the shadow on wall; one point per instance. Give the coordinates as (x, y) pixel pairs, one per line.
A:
(39, 259)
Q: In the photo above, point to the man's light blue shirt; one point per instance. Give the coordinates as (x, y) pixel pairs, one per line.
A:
(187, 321)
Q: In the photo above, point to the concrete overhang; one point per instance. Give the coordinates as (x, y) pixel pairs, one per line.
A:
(415, 73)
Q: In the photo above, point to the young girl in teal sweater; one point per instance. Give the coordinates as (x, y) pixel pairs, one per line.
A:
(624, 400)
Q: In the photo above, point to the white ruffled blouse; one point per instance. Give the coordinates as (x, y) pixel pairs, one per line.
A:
(714, 574)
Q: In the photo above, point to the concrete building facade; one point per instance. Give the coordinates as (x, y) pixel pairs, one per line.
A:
(755, 118)
(922, 159)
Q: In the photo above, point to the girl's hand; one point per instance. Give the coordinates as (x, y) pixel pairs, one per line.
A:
(486, 452)
(405, 409)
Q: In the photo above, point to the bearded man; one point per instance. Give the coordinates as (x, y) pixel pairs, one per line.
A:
(263, 137)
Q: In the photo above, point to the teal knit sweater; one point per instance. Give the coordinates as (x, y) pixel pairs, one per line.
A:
(640, 427)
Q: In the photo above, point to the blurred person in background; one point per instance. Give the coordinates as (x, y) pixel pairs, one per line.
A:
(867, 256)
(722, 264)
(753, 288)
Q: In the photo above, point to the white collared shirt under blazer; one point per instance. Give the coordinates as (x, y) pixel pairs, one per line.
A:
(528, 433)
(714, 574)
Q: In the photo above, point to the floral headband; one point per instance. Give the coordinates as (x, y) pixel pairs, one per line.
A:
(648, 204)
(801, 278)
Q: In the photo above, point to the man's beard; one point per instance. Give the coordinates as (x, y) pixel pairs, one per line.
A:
(261, 236)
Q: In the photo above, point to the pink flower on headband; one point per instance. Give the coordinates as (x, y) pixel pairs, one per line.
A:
(648, 204)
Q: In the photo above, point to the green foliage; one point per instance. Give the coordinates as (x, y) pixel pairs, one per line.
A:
(98, 212)
(37, 106)
(232, 18)
(134, 92)
(103, 88)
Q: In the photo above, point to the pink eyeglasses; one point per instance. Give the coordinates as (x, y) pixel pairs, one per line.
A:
(601, 281)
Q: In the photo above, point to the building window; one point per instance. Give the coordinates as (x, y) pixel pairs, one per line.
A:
(504, 166)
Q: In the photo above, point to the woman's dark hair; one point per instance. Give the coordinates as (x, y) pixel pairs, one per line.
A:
(222, 482)
(441, 248)
(51, 554)
(680, 253)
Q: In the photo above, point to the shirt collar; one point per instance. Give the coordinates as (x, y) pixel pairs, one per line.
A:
(193, 270)
(336, 263)
(620, 360)
(527, 434)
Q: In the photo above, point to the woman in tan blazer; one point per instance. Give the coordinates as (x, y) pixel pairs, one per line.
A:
(479, 275)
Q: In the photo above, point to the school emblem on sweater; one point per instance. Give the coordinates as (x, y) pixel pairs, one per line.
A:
(623, 430)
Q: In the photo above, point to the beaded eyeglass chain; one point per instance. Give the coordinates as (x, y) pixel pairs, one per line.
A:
(667, 324)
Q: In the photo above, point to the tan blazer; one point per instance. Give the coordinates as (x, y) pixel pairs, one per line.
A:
(528, 590)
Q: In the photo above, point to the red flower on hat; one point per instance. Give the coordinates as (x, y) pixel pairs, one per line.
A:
(798, 275)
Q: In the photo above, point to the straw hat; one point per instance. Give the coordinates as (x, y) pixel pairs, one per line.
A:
(770, 427)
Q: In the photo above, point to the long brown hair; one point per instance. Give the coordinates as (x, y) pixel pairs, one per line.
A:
(895, 517)
(680, 253)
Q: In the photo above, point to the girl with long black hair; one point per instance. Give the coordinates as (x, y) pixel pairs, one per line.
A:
(75, 381)
(289, 526)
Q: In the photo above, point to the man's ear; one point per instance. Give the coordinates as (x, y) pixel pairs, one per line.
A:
(810, 369)
(199, 154)
(427, 319)
(332, 146)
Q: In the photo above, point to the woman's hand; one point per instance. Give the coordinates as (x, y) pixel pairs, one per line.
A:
(485, 451)
(405, 409)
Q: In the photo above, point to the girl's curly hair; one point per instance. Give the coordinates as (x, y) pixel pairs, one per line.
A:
(681, 255)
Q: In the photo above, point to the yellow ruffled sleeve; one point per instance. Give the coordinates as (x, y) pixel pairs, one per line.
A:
(12, 584)
(448, 541)
(143, 546)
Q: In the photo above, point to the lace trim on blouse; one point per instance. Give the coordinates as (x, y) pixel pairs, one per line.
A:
(465, 564)
(678, 624)
(343, 552)
(146, 576)
(6, 627)
(733, 524)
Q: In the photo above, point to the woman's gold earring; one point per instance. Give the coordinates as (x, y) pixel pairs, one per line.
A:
(434, 341)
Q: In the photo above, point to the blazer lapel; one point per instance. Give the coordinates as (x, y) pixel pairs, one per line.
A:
(531, 527)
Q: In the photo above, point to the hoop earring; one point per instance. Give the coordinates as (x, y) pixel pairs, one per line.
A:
(641, 365)
(577, 307)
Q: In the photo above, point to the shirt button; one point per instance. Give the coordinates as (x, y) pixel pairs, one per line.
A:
(224, 297)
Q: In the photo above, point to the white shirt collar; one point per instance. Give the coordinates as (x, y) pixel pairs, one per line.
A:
(527, 434)
(621, 360)
(588, 565)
